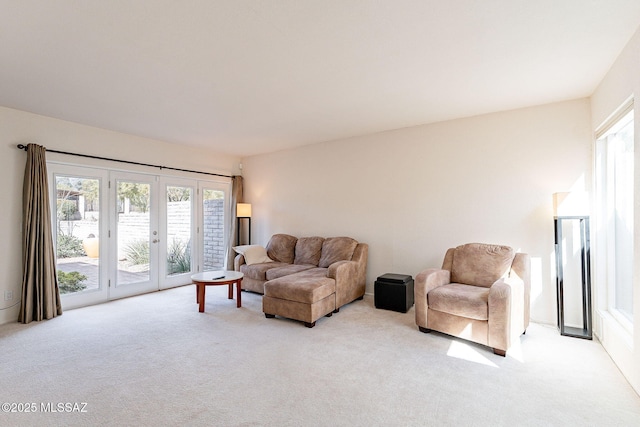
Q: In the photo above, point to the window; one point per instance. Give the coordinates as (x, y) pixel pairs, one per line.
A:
(614, 211)
(77, 229)
(213, 208)
(179, 229)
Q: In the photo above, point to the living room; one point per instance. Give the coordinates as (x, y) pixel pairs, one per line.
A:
(409, 191)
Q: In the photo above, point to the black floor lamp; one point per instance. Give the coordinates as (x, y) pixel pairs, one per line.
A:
(570, 212)
(243, 211)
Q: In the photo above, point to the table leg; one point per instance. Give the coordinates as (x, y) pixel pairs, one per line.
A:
(239, 292)
(201, 288)
(230, 290)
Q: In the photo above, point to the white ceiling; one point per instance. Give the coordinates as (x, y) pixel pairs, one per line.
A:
(253, 76)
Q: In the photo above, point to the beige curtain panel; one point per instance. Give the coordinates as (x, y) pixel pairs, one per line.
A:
(40, 294)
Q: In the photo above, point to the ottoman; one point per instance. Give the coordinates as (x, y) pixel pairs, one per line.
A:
(394, 292)
(305, 296)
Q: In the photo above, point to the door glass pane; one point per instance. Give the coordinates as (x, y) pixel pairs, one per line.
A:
(179, 230)
(214, 248)
(622, 147)
(133, 231)
(77, 234)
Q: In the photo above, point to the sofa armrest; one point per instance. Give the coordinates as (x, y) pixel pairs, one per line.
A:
(506, 311)
(360, 255)
(342, 270)
(345, 273)
(238, 261)
(425, 281)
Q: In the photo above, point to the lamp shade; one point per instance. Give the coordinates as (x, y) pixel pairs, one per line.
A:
(243, 210)
(574, 203)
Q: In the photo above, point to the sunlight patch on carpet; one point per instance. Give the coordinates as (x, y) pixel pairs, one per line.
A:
(464, 351)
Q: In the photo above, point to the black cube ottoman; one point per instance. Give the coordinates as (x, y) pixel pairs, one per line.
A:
(394, 292)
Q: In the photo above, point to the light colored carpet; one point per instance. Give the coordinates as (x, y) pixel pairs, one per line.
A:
(154, 360)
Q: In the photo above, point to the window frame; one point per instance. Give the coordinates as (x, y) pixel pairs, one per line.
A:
(605, 209)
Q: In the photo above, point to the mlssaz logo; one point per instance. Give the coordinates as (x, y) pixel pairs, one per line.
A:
(64, 407)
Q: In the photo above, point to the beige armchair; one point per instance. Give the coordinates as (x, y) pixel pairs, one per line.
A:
(480, 294)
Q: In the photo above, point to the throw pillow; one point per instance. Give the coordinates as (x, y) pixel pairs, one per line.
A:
(253, 254)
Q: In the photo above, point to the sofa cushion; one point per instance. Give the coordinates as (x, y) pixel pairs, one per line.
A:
(286, 270)
(253, 254)
(281, 248)
(259, 271)
(307, 287)
(480, 264)
(308, 250)
(336, 249)
(460, 300)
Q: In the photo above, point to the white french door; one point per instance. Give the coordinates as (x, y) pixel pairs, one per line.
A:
(135, 235)
(120, 233)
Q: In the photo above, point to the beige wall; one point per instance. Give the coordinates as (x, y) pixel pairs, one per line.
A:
(17, 127)
(620, 83)
(412, 193)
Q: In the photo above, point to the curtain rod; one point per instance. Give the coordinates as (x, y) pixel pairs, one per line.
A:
(24, 147)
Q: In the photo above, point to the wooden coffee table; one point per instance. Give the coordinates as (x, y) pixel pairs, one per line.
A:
(218, 277)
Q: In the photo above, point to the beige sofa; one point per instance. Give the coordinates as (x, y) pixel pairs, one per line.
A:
(306, 278)
(481, 293)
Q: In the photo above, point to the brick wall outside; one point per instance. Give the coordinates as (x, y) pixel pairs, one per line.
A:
(213, 251)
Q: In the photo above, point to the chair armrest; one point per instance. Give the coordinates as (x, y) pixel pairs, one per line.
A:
(506, 311)
(521, 267)
(506, 289)
(238, 261)
(430, 279)
(424, 282)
